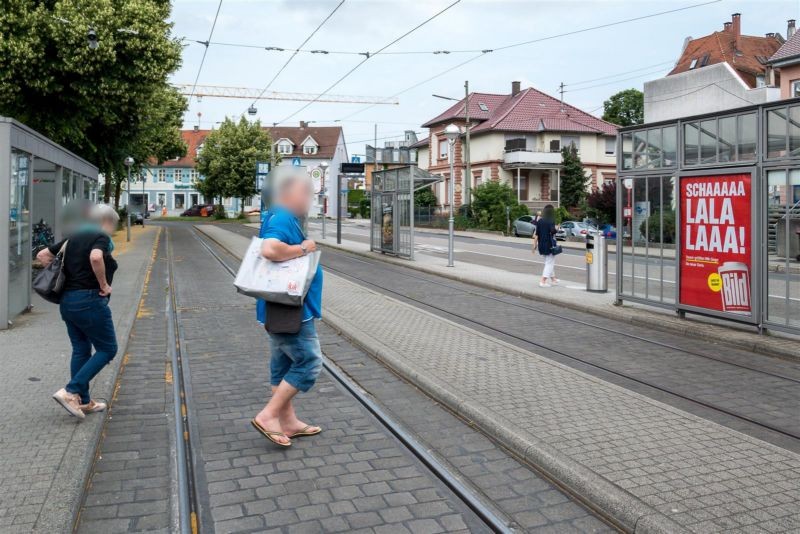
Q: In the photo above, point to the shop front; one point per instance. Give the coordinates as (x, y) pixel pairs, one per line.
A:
(37, 179)
(711, 205)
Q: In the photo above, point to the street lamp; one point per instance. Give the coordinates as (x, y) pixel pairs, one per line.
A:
(324, 166)
(129, 163)
(452, 132)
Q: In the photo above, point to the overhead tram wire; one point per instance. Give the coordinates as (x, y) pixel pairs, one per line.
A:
(368, 57)
(671, 62)
(307, 39)
(612, 82)
(465, 51)
(205, 51)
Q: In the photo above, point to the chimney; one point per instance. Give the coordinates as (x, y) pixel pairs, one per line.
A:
(770, 34)
(727, 26)
(515, 86)
(303, 124)
(736, 20)
(789, 28)
(196, 127)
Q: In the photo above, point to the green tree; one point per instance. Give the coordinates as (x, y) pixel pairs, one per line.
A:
(603, 203)
(425, 198)
(625, 108)
(573, 178)
(489, 202)
(104, 103)
(228, 159)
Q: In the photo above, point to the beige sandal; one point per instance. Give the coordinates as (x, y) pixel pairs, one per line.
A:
(270, 433)
(306, 432)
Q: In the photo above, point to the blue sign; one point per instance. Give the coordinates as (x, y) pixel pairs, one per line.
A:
(296, 162)
(12, 214)
(262, 167)
(355, 159)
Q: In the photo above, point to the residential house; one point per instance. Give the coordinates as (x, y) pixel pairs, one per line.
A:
(787, 62)
(717, 72)
(517, 139)
(173, 183)
(393, 154)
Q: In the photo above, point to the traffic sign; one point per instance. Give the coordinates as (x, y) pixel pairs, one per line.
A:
(355, 159)
(296, 162)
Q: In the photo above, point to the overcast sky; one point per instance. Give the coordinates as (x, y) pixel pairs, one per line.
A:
(636, 51)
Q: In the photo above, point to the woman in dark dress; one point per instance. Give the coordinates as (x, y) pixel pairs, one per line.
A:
(89, 270)
(545, 235)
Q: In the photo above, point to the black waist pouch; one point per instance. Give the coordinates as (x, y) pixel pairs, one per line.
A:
(283, 319)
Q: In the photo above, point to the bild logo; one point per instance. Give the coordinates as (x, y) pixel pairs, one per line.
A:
(735, 287)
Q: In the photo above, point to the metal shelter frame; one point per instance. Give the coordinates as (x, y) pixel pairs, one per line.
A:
(653, 160)
(391, 226)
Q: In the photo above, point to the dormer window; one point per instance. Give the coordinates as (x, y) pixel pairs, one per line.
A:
(693, 64)
(310, 146)
(483, 106)
(285, 147)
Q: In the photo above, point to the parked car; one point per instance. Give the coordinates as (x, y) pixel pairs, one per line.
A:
(199, 210)
(576, 229)
(524, 226)
(609, 231)
(561, 234)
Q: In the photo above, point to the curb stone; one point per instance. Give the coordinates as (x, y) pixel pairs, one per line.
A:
(637, 317)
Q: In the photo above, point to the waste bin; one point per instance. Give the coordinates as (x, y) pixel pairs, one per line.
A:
(596, 262)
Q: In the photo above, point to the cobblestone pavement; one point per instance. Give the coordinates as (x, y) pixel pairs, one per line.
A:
(701, 475)
(533, 504)
(45, 455)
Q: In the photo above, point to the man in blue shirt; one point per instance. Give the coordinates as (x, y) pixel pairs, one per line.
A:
(296, 358)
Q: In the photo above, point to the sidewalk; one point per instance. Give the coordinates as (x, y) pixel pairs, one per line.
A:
(602, 304)
(651, 467)
(45, 455)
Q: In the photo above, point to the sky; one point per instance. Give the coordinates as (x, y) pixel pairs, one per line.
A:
(593, 64)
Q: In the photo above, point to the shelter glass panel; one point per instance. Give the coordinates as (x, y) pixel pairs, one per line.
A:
(727, 139)
(747, 126)
(794, 131)
(640, 149)
(654, 148)
(691, 143)
(708, 141)
(783, 247)
(670, 146)
(627, 151)
(776, 133)
(19, 228)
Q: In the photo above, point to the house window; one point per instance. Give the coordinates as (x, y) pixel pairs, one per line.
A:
(309, 149)
(760, 81)
(567, 140)
(795, 89)
(444, 148)
(693, 64)
(284, 148)
(194, 176)
(483, 106)
(178, 175)
(611, 146)
(162, 175)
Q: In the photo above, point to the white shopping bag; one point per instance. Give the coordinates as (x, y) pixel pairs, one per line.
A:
(284, 282)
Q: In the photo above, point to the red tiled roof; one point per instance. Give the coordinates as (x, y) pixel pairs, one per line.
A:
(456, 111)
(723, 47)
(531, 110)
(789, 49)
(327, 137)
(422, 143)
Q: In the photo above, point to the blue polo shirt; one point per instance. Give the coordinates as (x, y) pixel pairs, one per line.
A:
(283, 225)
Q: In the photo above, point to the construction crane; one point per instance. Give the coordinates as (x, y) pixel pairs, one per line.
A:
(220, 91)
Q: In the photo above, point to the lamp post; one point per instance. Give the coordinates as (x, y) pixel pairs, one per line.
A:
(452, 132)
(129, 163)
(145, 208)
(324, 166)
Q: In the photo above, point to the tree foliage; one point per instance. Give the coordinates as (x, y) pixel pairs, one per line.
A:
(103, 104)
(625, 108)
(228, 159)
(603, 203)
(489, 202)
(573, 178)
(425, 198)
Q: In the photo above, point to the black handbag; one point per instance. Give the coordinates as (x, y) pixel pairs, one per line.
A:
(283, 319)
(556, 249)
(49, 283)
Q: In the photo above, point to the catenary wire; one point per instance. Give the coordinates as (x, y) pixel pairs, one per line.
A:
(619, 74)
(641, 75)
(367, 58)
(307, 39)
(205, 52)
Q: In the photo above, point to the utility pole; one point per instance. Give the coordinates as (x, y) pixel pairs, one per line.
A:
(561, 90)
(468, 167)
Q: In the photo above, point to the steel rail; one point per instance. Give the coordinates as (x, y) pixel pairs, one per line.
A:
(187, 494)
(572, 357)
(487, 513)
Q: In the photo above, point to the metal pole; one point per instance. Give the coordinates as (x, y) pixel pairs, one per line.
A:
(145, 209)
(519, 193)
(128, 207)
(339, 210)
(451, 200)
(468, 165)
(324, 201)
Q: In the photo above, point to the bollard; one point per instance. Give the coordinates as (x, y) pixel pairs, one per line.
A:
(596, 262)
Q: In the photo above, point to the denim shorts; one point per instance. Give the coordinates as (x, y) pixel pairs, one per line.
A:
(296, 358)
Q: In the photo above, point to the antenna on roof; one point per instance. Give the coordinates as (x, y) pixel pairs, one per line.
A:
(561, 90)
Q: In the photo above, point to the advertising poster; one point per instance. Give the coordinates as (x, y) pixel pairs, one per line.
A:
(715, 262)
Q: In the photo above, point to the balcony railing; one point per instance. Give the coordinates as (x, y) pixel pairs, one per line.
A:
(518, 157)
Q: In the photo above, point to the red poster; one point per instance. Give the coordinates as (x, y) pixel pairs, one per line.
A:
(715, 262)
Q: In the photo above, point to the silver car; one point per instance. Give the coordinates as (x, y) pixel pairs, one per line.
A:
(524, 226)
(576, 229)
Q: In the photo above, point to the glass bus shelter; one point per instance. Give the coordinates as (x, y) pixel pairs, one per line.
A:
(709, 207)
(37, 178)
(392, 208)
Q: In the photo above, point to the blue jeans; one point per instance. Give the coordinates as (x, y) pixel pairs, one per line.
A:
(296, 358)
(88, 320)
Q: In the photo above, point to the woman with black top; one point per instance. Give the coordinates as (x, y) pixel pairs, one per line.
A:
(545, 236)
(89, 270)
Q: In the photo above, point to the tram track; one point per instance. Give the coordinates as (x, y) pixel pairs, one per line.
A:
(494, 520)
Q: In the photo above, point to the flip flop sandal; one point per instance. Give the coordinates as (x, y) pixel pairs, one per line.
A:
(270, 433)
(305, 432)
